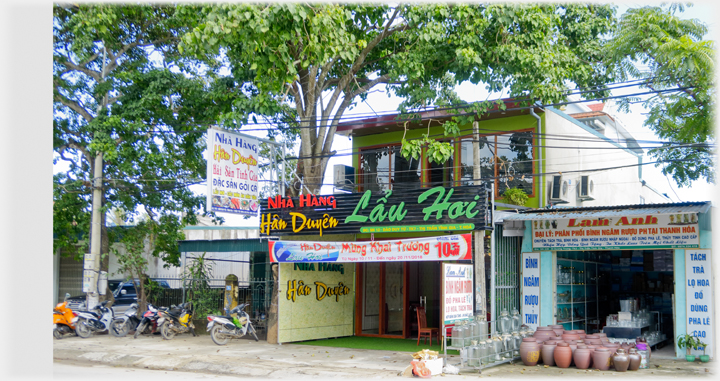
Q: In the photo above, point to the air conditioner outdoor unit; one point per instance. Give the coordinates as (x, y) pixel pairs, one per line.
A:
(559, 190)
(344, 177)
(586, 188)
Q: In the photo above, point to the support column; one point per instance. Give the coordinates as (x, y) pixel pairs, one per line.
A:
(478, 236)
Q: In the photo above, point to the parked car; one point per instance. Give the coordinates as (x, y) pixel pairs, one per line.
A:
(123, 291)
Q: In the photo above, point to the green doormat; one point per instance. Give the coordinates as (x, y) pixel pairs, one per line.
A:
(377, 343)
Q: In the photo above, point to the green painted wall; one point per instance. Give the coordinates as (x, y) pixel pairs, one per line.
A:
(492, 126)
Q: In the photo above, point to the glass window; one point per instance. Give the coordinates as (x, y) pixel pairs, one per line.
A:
(406, 172)
(487, 157)
(375, 167)
(515, 162)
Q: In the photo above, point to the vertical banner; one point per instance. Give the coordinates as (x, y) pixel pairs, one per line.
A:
(457, 292)
(232, 172)
(530, 289)
(698, 298)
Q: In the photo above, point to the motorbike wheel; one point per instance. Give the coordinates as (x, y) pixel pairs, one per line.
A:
(83, 330)
(252, 331)
(139, 330)
(57, 334)
(217, 337)
(118, 329)
(166, 332)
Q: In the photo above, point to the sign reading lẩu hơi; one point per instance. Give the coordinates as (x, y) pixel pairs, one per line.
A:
(652, 231)
(441, 248)
(232, 172)
(436, 209)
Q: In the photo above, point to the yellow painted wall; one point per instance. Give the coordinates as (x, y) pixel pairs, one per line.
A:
(307, 318)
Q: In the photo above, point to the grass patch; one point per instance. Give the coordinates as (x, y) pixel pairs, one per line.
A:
(376, 343)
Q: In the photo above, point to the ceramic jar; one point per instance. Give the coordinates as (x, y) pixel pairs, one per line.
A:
(548, 353)
(580, 333)
(641, 339)
(582, 357)
(570, 336)
(562, 355)
(601, 358)
(544, 333)
(559, 330)
(634, 358)
(621, 360)
(529, 351)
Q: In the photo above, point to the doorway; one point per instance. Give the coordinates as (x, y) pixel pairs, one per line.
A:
(389, 292)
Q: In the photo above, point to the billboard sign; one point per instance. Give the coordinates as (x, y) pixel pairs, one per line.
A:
(232, 172)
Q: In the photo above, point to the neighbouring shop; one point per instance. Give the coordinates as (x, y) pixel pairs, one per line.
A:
(361, 263)
(640, 270)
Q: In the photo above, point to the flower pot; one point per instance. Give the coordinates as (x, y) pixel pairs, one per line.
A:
(529, 351)
(563, 355)
(704, 358)
(690, 358)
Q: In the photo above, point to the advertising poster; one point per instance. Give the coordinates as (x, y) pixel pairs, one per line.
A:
(315, 301)
(232, 172)
(457, 287)
(699, 296)
(530, 302)
(666, 231)
(441, 248)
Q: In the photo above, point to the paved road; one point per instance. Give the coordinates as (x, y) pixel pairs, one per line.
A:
(68, 371)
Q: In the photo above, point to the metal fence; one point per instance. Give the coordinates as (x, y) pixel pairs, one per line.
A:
(506, 263)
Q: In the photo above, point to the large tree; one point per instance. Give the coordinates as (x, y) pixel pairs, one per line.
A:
(126, 101)
(677, 65)
(321, 59)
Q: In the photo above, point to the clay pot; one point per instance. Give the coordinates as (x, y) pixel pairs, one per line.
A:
(601, 335)
(634, 358)
(558, 329)
(597, 342)
(529, 351)
(621, 360)
(580, 333)
(601, 358)
(548, 353)
(562, 355)
(592, 336)
(626, 347)
(592, 351)
(570, 336)
(582, 357)
(544, 333)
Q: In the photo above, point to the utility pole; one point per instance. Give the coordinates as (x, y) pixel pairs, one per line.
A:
(478, 235)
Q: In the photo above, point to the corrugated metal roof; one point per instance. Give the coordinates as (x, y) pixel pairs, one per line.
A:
(611, 211)
(224, 245)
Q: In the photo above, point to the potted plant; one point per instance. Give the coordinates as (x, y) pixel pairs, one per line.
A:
(703, 357)
(689, 342)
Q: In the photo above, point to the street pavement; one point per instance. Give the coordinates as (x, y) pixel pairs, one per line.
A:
(247, 358)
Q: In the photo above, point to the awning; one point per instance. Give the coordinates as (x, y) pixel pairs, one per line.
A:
(610, 211)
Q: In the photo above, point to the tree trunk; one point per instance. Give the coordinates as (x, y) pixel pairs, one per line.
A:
(272, 324)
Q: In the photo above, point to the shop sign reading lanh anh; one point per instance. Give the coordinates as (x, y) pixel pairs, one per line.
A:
(436, 209)
(640, 232)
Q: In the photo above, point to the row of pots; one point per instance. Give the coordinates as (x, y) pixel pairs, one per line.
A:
(555, 346)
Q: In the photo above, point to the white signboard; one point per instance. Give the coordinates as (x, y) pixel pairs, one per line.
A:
(699, 296)
(530, 290)
(440, 248)
(232, 172)
(624, 232)
(457, 292)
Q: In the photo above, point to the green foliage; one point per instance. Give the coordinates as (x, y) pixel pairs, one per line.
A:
(196, 277)
(319, 60)
(688, 341)
(122, 89)
(654, 44)
(515, 196)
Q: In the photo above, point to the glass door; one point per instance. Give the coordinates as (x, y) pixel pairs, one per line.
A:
(381, 300)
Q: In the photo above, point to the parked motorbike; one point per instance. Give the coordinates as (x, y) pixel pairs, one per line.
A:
(96, 320)
(148, 322)
(62, 320)
(176, 320)
(232, 326)
(121, 326)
